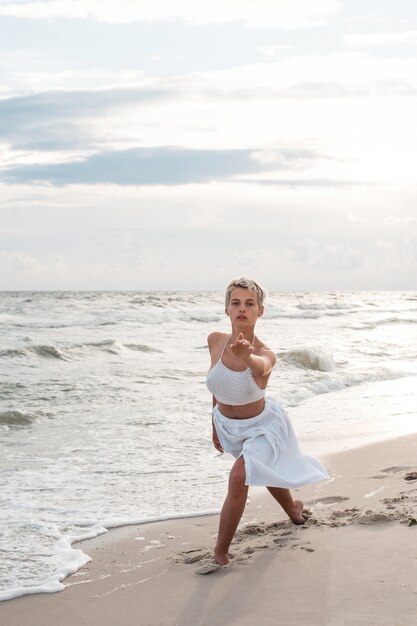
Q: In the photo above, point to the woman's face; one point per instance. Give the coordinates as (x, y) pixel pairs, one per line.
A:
(243, 308)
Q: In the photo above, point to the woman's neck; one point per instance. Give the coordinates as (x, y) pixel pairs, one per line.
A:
(249, 334)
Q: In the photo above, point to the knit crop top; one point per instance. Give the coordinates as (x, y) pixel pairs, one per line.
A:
(232, 387)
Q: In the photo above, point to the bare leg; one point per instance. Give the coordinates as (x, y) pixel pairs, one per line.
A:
(293, 508)
(232, 510)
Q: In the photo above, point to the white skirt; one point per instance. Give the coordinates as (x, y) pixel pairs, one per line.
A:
(269, 447)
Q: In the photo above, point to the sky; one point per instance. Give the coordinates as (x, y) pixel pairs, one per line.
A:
(177, 144)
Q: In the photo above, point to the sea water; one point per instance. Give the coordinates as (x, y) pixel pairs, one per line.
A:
(105, 419)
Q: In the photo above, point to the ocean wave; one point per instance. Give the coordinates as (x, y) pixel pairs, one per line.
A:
(166, 315)
(116, 347)
(12, 352)
(204, 317)
(310, 358)
(382, 322)
(49, 352)
(397, 320)
(45, 351)
(333, 383)
(140, 347)
(149, 300)
(336, 313)
(312, 305)
(270, 314)
(322, 306)
(17, 418)
(41, 325)
(10, 388)
(107, 345)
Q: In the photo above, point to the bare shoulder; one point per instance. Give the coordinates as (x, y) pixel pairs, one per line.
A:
(214, 340)
(215, 337)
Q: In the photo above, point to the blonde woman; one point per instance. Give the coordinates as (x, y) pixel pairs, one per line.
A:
(251, 426)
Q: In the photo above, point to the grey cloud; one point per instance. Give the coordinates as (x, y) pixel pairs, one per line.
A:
(162, 165)
(55, 142)
(52, 116)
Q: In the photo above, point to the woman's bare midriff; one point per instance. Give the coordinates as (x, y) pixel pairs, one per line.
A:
(242, 411)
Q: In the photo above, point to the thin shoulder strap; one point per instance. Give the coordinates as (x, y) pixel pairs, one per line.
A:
(224, 347)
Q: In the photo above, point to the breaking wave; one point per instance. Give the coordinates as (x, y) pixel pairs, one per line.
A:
(310, 358)
(17, 418)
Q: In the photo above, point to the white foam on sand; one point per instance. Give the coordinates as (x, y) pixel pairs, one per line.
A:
(68, 560)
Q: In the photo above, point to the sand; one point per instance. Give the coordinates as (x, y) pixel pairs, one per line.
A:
(354, 562)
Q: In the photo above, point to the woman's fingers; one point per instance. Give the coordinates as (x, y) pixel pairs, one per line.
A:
(240, 343)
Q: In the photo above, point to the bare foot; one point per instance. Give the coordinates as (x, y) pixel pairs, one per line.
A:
(297, 516)
(221, 558)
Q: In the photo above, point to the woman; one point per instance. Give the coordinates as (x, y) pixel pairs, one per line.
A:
(255, 429)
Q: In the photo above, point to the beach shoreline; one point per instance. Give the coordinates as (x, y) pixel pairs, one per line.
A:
(339, 561)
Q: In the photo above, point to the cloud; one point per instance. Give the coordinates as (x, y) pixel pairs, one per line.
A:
(286, 14)
(161, 165)
(42, 115)
(399, 256)
(327, 257)
(306, 182)
(407, 37)
(393, 220)
(345, 74)
(24, 262)
(274, 51)
(113, 236)
(359, 219)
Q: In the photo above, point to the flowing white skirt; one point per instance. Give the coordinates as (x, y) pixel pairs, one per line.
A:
(269, 447)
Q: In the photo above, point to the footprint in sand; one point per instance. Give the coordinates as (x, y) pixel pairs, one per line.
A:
(251, 529)
(279, 525)
(328, 500)
(394, 469)
(396, 500)
(281, 541)
(370, 518)
(283, 534)
(193, 556)
(343, 518)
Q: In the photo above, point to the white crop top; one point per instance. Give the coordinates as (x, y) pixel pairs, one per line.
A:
(231, 387)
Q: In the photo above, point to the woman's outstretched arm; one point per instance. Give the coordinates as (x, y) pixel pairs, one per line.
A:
(259, 364)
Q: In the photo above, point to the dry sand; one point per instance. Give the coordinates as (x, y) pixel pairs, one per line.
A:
(353, 563)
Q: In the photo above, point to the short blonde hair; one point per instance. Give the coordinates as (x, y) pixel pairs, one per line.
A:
(245, 283)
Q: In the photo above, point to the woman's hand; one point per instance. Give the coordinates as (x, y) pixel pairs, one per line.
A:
(242, 348)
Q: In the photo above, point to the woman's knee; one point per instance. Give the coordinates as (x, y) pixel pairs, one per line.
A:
(237, 477)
